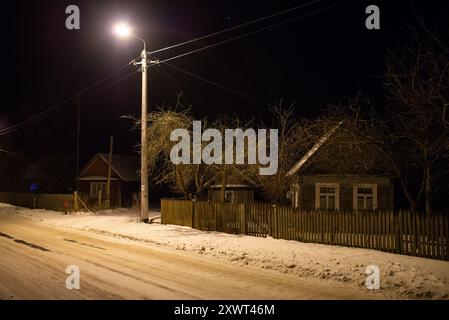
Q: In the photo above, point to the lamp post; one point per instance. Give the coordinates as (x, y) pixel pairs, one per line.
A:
(124, 31)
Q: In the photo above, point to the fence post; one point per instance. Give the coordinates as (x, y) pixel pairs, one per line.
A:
(397, 228)
(320, 213)
(242, 219)
(99, 200)
(276, 222)
(193, 214)
(75, 201)
(162, 211)
(215, 215)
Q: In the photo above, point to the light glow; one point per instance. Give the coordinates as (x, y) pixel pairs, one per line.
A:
(122, 30)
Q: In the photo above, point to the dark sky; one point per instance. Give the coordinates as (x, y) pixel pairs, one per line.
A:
(323, 58)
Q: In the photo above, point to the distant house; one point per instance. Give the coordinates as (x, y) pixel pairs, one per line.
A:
(236, 191)
(124, 179)
(48, 176)
(342, 172)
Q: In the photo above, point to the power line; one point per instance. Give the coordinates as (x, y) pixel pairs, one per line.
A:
(42, 115)
(165, 61)
(168, 79)
(25, 156)
(56, 107)
(247, 34)
(218, 85)
(111, 84)
(238, 26)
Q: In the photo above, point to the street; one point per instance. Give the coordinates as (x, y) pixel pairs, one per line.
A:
(34, 258)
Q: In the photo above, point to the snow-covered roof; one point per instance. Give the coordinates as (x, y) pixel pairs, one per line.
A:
(313, 150)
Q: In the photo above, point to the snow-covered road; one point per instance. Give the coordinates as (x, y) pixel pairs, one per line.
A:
(35, 255)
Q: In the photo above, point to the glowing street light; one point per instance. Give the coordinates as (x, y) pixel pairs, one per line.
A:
(122, 30)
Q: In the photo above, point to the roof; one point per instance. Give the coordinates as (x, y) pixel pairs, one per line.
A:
(313, 150)
(96, 178)
(35, 171)
(47, 169)
(126, 167)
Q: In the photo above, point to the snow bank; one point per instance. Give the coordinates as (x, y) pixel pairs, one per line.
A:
(401, 276)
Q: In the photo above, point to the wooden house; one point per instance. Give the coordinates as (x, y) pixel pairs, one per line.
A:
(48, 176)
(236, 191)
(342, 172)
(125, 179)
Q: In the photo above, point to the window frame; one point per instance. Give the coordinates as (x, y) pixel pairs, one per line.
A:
(103, 188)
(318, 194)
(356, 195)
(232, 195)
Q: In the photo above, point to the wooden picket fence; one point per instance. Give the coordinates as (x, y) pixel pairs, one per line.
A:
(402, 232)
(56, 202)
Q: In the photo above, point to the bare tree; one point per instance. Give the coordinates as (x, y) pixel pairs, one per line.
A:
(411, 128)
(189, 180)
(417, 86)
(292, 136)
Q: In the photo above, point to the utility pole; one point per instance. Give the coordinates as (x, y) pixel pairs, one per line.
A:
(144, 215)
(143, 139)
(123, 31)
(108, 182)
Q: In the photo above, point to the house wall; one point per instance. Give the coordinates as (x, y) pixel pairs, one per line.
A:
(121, 191)
(240, 195)
(99, 168)
(307, 185)
(116, 192)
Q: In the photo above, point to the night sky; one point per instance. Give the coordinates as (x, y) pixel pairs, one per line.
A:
(326, 57)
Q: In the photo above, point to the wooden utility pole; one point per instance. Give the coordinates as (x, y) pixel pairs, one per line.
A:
(108, 182)
(144, 150)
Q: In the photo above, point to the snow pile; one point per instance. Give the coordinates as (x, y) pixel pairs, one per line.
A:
(400, 276)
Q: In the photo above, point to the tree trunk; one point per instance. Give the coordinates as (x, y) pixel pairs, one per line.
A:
(180, 183)
(412, 201)
(224, 182)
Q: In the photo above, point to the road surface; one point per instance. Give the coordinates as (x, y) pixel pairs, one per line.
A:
(34, 257)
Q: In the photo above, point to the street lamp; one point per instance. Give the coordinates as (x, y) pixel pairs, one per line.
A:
(122, 30)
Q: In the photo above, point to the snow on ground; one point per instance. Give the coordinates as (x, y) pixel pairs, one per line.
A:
(400, 276)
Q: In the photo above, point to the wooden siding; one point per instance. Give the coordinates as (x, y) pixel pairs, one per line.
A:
(240, 195)
(346, 183)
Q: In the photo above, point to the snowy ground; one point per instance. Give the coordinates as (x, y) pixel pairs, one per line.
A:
(401, 276)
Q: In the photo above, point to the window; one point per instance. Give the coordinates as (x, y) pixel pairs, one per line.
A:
(327, 196)
(229, 196)
(365, 196)
(95, 187)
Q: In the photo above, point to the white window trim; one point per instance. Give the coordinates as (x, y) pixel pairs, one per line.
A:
(364, 185)
(232, 195)
(95, 196)
(327, 185)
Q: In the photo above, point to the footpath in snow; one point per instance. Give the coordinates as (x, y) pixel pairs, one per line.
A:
(400, 276)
